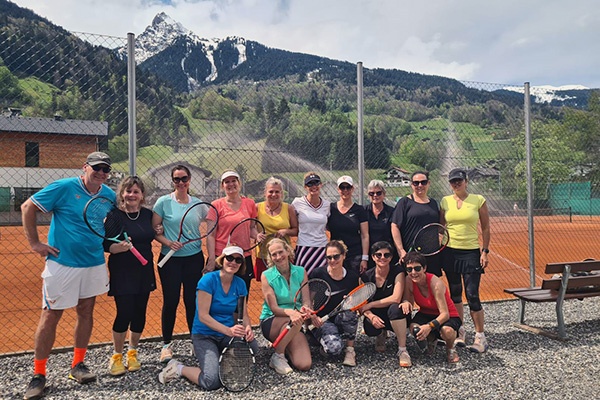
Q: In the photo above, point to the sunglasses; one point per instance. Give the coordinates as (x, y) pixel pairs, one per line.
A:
(384, 255)
(422, 183)
(417, 268)
(378, 193)
(313, 183)
(98, 168)
(238, 260)
(455, 181)
(345, 187)
(333, 257)
(183, 179)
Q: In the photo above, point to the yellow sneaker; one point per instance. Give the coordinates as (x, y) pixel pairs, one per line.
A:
(115, 366)
(132, 362)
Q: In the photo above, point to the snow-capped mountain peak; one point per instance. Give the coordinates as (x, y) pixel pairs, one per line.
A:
(548, 93)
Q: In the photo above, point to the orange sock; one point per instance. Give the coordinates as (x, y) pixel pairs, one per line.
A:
(78, 356)
(39, 366)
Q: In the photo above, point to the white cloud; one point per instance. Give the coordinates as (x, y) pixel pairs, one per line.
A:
(510, 41)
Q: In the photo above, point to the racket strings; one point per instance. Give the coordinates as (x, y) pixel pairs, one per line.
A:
(319, 294)
(429, 240)
(95, 215)
(237, 366)
(193, 223)
(359, 297)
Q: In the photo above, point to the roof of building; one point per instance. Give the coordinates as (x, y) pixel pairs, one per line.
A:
(53, 126)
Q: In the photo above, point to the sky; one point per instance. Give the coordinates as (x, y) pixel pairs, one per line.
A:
(544, 42)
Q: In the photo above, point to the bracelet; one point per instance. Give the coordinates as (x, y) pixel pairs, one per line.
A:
(434, 324)
(485, 250)
(364, 258)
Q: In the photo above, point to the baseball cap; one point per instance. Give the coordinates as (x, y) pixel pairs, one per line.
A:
(345, 179)
(312, 178)
(229, 250)
(98, 157)
(457, 173)
(228, 174)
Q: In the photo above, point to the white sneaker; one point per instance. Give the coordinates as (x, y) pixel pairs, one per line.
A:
(279, 364)
(170, 372)
(166, 353)
(350, 357)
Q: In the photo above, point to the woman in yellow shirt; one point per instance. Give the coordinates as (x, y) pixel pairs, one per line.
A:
(464, 260)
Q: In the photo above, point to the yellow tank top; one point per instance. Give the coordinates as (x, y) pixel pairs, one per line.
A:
(273, 223)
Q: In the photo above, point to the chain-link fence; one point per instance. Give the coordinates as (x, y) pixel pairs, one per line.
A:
(65, 95)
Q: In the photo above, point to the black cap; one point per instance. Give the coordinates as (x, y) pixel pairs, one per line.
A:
(98, 157)
(457, 173)
(312, 178)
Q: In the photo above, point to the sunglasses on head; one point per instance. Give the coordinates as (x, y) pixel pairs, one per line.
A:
(377, 193)
(384, 255)
(345, 187)
(333, 257)
(455, 181)
(422, 183)
(313, 183)
(98, 168)
(183, 179)
(238, 260)
(417, 268)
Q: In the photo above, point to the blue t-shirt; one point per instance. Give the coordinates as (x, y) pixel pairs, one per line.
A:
(222, 305)
(171, 213)
(66, 199)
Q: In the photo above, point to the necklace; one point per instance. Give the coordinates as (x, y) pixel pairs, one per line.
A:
(270, 210)
(136, 217)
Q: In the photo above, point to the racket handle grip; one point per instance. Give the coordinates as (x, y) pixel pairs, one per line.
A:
(138, 255)
(282, 335)
(311, 327)
(162, 262)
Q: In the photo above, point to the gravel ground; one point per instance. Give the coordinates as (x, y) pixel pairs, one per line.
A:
(518, 365)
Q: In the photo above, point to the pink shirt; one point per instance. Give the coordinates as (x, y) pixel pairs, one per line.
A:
(228, 218)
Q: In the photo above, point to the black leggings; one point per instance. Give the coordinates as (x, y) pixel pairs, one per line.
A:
(131, 312)
(179, 271)
(387, 314)
(471, 284)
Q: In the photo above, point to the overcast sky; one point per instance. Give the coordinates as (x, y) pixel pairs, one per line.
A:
(544, 42)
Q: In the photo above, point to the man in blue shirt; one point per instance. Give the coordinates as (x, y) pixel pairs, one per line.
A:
(75, 271)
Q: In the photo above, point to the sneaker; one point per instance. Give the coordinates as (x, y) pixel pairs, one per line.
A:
(82, 374)
(166, 353)
(380, 342)
(349, 357)
(460, 339)
(115, 365)
(170, 372)
(404, 359)
(480, 345)
(421, 343)
(132, 362)
(280, 364)
(35, 389)
(453, 357)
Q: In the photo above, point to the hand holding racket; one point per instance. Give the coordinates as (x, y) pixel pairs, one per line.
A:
(310, 298)
(244, 231)
(104, 219)
(195, 225)
(357, 298)
(431, 239)
(237, 362)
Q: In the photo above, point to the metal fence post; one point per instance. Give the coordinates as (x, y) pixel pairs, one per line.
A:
(361, 138)
(527, 116)
(131, 102)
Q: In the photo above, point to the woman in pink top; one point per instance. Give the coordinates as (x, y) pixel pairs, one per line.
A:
(437, 317)
(232, 209)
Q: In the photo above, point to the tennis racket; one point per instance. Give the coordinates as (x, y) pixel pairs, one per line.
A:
(312, 297)
(104, 219)
(357, 298)
(237, 362)
(194, 226)
(241, 234)
(431, 239)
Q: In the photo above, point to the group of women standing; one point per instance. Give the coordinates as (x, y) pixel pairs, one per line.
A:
(340, 242)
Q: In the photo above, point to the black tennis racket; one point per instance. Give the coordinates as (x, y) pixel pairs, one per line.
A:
(431, 239)
(357, 298)
(195, 225)
(244, 234)
(104, 219)
(237, 363)
(312, 296)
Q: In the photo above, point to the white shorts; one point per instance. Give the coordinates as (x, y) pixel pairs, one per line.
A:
(64, 286)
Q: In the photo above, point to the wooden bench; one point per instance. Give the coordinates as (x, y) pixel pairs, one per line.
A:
(569, 286)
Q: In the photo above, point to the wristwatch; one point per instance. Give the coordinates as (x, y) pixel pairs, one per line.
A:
(485, 250)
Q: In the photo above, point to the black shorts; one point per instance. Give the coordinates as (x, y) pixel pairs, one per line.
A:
(422, 319)
(265, 327)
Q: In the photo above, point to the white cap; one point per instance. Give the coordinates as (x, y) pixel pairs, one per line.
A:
(229, 250)
(345, 179)
(228, 174)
